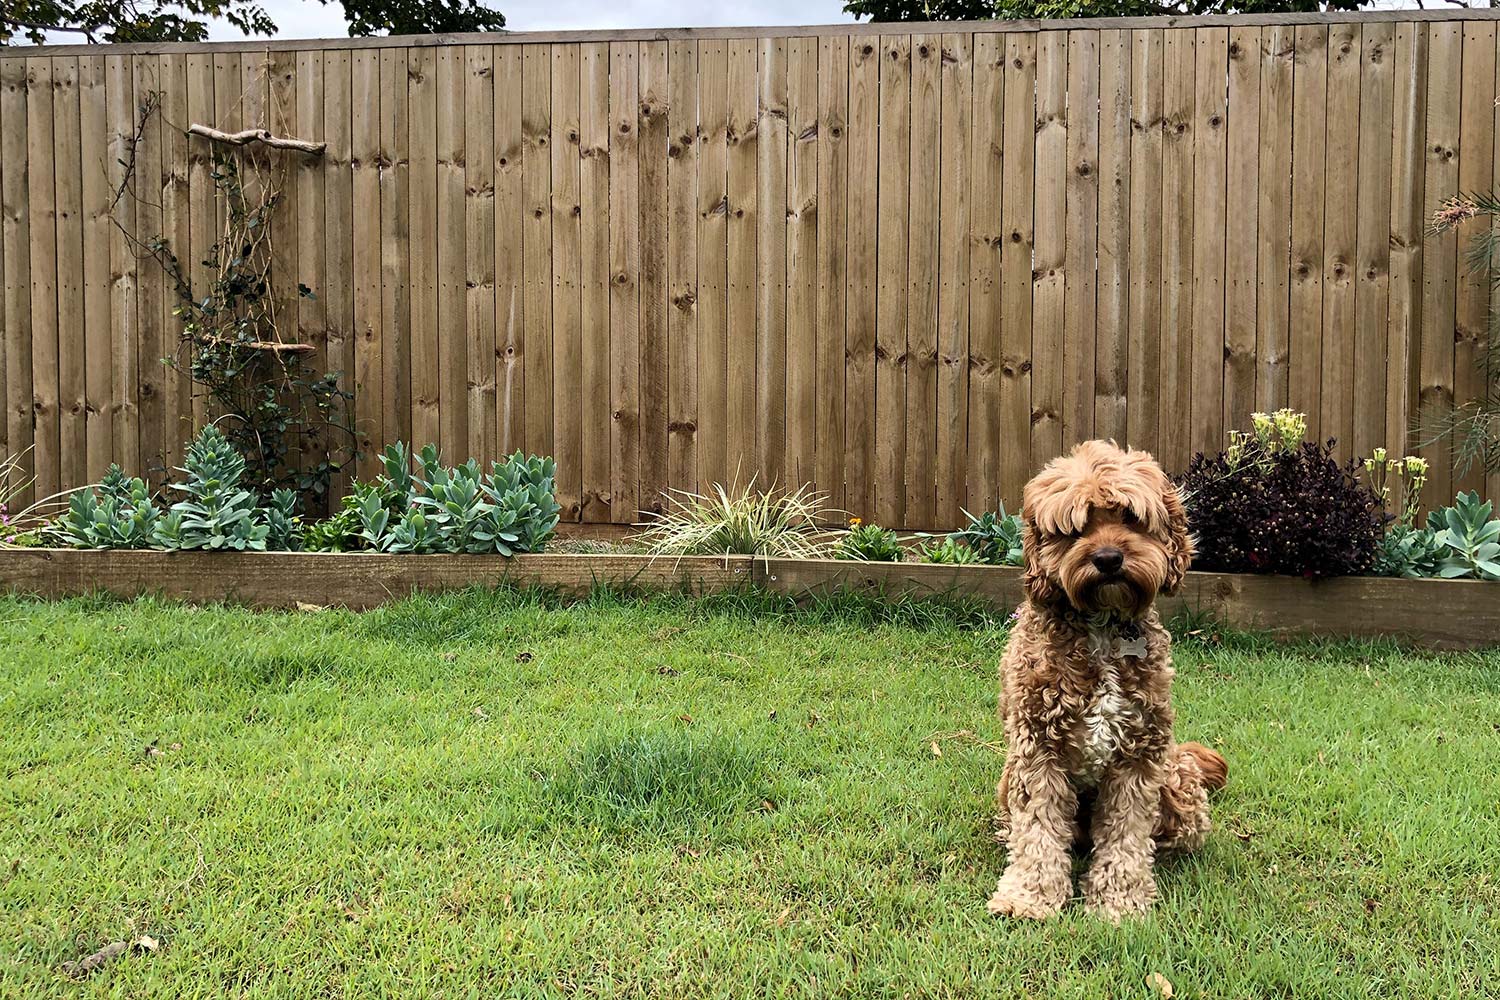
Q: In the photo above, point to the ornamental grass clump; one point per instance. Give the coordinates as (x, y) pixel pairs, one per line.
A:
(740, 521)
(1274, 503)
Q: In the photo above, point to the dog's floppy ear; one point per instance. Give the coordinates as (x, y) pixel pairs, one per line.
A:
(1179, 542)
(1039, 586)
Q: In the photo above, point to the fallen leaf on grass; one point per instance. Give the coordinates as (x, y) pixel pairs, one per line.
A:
(1160, 984)
(667, 671)
(111, 951)
(783, 917)
(524, 657)
(813, 718)
(937, 751)
(449, 657)
(686, 720)
(481, 714)
(1370, 905)
(689, 852)
(304, 606)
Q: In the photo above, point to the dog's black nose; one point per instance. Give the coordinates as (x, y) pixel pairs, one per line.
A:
(1108, 559)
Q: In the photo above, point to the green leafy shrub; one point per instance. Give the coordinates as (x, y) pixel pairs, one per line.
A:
(117, 514)
(1408, 551)
(993, 537)
(949, 550)
(743, 522)
(1469, 536)
(425, 506)
(216, 511)
(868, 543)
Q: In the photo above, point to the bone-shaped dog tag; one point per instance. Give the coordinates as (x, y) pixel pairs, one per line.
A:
(1131, 647)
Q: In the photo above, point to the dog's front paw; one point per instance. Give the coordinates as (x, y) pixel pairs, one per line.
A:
(1113, 894)
(1012, 898)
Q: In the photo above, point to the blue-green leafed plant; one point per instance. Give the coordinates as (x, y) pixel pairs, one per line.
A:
(993, 537)
(216, 512)
(949, 550)
(1409, 552)
(868, 543)
(118, 514)
(425, 506)
(1470, 537)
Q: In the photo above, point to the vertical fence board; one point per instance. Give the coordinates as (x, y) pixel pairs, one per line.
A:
(1408, 184)
(1049, 280)
(1210, 190)
(953, 233)
(452, 244)
(41, 196)
(1241, 275)
(743, 140)
(312, 310)
(1017, 234)
(713, 264)
(770, 263)
(1372, 252)
(124, 375)
(860, 281)
(986, 238)
(67, 153)
(396, 315)
(509, 277)
(594, 220)
(479, 250)
(536, 136)
(1340, 213)
(1112, 347)
(624, 287)
(1080, 280)
(1274, 219)
(94, 152)
(922, 281)
(655, 293)
(1309, 116)
(1179, 124)
(833, 200)
(567, 282)
(359, 137)
(338, 256)
(1440, 256)
(891, 270)
(682, 265)
(1476, 169)
(15, 228)
(801, 259)
(1148, 128)
(422, 206)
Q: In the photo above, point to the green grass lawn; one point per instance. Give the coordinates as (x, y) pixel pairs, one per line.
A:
(489, 795)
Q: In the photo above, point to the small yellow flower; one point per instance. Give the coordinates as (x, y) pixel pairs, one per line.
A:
(855, 522)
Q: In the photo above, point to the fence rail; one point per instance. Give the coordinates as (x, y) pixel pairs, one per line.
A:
(906, 263)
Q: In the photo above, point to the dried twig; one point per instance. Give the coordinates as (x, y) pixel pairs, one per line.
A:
(260, 135)
(92, 963)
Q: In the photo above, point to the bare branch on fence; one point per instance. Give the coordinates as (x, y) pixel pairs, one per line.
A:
(260, 135)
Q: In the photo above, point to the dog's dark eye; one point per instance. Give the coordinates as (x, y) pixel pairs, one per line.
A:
(1130, 518)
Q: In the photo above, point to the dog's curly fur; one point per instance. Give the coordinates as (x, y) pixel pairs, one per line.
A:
(1086, 690)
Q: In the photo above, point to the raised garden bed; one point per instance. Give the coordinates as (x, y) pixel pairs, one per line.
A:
(1440, 614)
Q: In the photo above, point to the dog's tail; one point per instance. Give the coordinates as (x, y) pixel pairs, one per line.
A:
(1193, 770)
(1211, 763)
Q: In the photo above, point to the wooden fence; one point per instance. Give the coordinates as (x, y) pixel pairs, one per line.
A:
(906, 263)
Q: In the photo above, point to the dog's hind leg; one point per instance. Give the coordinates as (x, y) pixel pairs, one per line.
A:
(1193, 770)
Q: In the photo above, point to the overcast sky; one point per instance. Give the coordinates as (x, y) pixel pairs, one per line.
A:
(310, 19)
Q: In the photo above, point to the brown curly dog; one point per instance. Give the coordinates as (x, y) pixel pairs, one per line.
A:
(1086, 690)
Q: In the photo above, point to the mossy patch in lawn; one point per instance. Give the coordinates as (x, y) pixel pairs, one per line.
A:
(654, 779)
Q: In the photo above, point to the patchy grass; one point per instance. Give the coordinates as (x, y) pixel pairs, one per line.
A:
(499, 795)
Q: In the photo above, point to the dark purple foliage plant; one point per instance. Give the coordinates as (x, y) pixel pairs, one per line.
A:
(1273, 503)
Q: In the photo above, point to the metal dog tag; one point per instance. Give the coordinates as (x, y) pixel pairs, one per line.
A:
(1131, 647)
